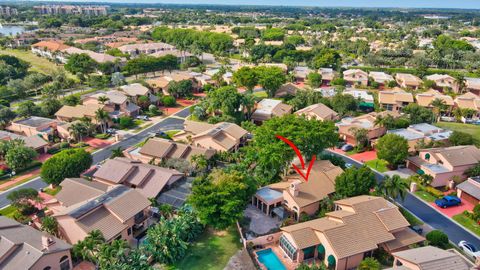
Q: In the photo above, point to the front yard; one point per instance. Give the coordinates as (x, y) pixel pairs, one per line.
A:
(211, 252)
(378, 164)
(424, 195)
(468, 223)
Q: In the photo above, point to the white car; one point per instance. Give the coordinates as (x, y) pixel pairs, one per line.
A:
(348, 165)
(469, 249)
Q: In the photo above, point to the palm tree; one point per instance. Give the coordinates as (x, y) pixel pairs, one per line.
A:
(117, 152)
(361, 137)
(393, 187)
(89, 247)
(103, 99)
(248, 102)
(77, 130)
(102, 117)
(439, 106)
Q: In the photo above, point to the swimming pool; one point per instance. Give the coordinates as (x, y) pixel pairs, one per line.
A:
(268, 258)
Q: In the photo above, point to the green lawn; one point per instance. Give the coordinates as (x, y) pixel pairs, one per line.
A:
(378, 164)
(210, 252)
(414, 221)
(171, 133)
(261, 94)
(425, 196)
(474, 130)
(52, 191)
(37, 63)
(468, 223)
(8, 211)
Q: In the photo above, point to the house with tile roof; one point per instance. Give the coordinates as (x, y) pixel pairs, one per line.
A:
(468, 101)
(430, 258)
(301, 73)
(469, 190)
(444, 163)
(51, 49)
(223, 136)
(356, 77)
(135, 50)
(160, 84)
(118, 104)
(288, 89)
(34, 126)
(343, 238)
(82, 206)
(394, 100)
(381, 78)
(148, 179)
(35, 142)
(135, 90)
(425, 99)
(269, 108)
(347, 126)
(72, 113)
(409, 81)
(97, 57)
(422, 132)
(158, 149)
(472, 85)
(327, 75)
(23, 247)
(444, 81)
(319, 112)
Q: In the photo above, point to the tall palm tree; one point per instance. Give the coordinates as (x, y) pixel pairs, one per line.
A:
(77, 130)
(248, 102)
(102, 117)
(103, 99)
(88, 248)
(393, 187)
(439, 106)
(361, 137)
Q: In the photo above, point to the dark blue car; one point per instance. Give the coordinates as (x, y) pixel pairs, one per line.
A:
(448, 201)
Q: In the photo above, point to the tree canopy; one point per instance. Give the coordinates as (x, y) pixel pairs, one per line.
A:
(354, 182)
(392, 148)
(67, 163)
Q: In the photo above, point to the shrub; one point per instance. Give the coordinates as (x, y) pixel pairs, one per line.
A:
(168, 101)
(102, 136)
(438, 239)
(126, 122)
(64, 145)
(435, 192)
(476, 212)
(68, 163)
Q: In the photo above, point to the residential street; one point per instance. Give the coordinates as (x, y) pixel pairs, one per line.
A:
(170, 123)
(427, 214)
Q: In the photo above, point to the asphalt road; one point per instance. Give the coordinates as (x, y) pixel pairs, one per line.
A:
(428, 214)
(171, 123)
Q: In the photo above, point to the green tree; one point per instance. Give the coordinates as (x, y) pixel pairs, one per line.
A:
(102, 117)
(393, 187)
(22, 198)
(6, 115)
(326, 58)
(344, 104)
(473, 171)
(20, 157)
(117, 152)
(225, 99)
(71, 100)
(126, 122)
(314, 79)
(27, 109)
(270, 78)
(354, 182)
(80, 64)
(67, 163)
(245, 77)
(439, 106)
(77, 130)
(418, 114)
(369, 264)
(460, 138)
(164, 243)
(183, 88)
(392, 148)
(220, 197)
(438, 239)
(50, 225)
(361, 137)
(88, 248)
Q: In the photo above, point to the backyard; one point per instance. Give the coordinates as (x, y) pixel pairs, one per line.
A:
(211, 252)
(474, 130)
(38, 64)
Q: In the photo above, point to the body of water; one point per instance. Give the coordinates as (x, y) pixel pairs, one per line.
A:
(11, 30)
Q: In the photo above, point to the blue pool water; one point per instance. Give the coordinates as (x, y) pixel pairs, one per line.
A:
(270, 260)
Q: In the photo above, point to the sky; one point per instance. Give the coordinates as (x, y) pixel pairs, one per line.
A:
(463, 4)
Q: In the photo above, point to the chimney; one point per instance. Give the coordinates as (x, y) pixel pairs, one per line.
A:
(47, 241)
(294, 187)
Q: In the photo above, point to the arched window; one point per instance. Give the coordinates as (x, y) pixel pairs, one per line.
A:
(64, 263)
(295, 208)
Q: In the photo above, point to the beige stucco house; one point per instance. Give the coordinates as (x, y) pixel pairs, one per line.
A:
(468, 101)
(34, 126)
(118, 104)
(381, 77)
(223, 136)
(269, 108)
(394, 100)
(82, 206)
(288, 89)
(425, 99)
(422, 132)
(319, 112)
(23, 247)
(406, 80)
(343, 238)
(356, 77)
(445, 163)
(443, 81)
(473, 85)
(429, 258)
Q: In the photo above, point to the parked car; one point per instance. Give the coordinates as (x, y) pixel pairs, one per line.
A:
(469, 249)
(347, 147)
(161, 134)
(448, 201)
(417, 229)
(143, 117)
(348, 165)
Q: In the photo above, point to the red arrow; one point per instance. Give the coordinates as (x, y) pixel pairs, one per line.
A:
(300, 157)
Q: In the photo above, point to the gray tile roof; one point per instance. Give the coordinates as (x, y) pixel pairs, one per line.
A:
(470, 188)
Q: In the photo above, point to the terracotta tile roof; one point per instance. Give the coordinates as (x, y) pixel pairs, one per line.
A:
(76, 190)
(394, 96)
(408, 79)
(162, 148)
(390, 217)
(457, 155)
(224, 134)
(305, 238)
(468, 101)
(135, 89)
(101, 219)
(426, 98)
(404, 238)
(287, 89)
(128, 205)
(79, 111)
(51, 45)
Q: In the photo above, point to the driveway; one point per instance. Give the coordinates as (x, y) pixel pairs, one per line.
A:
(455, 210)
(428, 214)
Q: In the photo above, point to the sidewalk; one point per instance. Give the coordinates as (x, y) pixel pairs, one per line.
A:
(19, 179)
